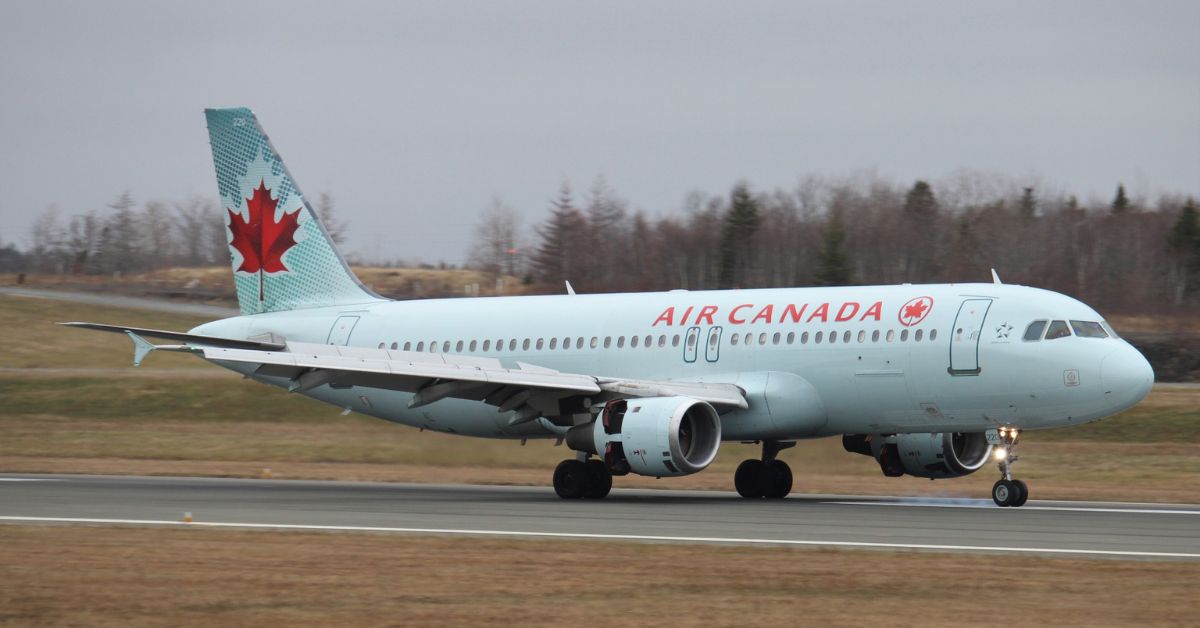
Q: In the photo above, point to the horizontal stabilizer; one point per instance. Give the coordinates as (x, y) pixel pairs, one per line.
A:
(193, 339)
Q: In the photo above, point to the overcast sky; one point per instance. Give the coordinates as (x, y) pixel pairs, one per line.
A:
(414, 115)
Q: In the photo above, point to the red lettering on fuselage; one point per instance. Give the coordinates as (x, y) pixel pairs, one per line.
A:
(875, 311)
(668, 317)
(764, 314)
(686, 314)
(734, 311)
(791, 311)
(821, 312)
(706, 312)
(846, 312)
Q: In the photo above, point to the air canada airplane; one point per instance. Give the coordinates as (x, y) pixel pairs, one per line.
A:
(932, 381)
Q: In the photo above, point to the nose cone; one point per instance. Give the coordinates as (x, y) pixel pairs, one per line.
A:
(1126, 377)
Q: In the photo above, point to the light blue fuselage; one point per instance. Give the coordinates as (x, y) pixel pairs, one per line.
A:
(970, 371)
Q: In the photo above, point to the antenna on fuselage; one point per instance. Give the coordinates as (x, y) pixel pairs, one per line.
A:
(996, 278)
(571, 290)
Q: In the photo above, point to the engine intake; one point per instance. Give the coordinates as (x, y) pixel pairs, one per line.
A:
(940, 455)
(659, 436)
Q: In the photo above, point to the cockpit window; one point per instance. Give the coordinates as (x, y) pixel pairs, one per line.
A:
(1108, 328)
(1058, 329)
(1033, 333)
(1088, 329)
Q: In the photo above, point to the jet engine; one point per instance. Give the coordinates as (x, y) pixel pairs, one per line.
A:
(659, 436)
(934, 456)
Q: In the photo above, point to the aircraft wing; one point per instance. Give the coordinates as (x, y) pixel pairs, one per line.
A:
(531, 390)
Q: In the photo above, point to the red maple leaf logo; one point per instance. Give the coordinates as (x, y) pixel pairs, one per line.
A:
(262, 241)
(915, 311)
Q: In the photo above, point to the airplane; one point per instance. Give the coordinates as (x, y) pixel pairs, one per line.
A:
(932, 381)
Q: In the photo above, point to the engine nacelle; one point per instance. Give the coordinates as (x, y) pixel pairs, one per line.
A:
(659, 436)
(942, 455)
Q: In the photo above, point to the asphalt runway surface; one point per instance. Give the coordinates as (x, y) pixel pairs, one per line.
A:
(1077, 529)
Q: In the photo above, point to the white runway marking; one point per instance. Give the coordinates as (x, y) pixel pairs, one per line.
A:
(28, 480)
(611, 537)
(991, 506)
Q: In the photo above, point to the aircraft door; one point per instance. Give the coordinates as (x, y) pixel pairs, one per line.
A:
(691, 343)
(712, 350)
(339, 334)
(964, 337)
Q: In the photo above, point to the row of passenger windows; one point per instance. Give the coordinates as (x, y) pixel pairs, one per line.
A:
(649, 341)
(1060, 329)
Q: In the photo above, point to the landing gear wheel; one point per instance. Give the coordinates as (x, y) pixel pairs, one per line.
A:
(750, 479)
(1022, 493)
(1005, 493)
(779, 479)
(572, 479)
(600, 482)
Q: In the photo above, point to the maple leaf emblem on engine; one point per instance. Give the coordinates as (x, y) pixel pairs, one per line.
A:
(915, 311)
(259, 238)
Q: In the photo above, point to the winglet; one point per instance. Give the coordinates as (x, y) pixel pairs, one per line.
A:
(570, 288)
(995, 277)
(141, 348)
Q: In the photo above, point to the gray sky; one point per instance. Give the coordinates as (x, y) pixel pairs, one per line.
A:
(414, 115)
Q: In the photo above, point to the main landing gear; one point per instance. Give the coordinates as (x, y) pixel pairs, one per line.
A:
(587, 478)
(769, 478)
(1007, 491)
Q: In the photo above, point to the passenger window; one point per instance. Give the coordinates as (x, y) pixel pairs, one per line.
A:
(775, 338)
(458, 347)
(380, 345)
(607, 341)
(421, 346)
(1057, 329)
(932, 335)
(487, 345)
(903, 335)
(846, 336)
(553, 344)
(408, 346)
(875, 336)
(395, 345)
(891, 335)
(540, 343)
(791, 337)
(633, 341)
(512, 344)
(749, 338)
(713, 339)
(662, 340)
(1033, 333)
(433, 346)
(579, 342)
(474, 345)
(621, 342)
(818, 337)
(733, 339)
(804, 338)
(675, 340)
(762, 338)
(595, 342)
(446, 347)
(1088, 329)
(917, 336)
(832, 337)
(646, 342)
(862, 336)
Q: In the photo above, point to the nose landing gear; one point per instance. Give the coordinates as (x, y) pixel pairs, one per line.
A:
(1007, 491)
(769, 477)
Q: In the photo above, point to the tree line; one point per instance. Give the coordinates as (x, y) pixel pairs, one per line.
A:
(1126, 255)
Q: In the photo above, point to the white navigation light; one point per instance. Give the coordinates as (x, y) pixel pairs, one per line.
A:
(1001, 453)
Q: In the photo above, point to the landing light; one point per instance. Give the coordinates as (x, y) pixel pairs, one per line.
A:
(1001, 453)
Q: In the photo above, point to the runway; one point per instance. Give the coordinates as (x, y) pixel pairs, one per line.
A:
(1077, 529)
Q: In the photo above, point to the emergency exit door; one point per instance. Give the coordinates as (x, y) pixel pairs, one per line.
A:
(965, 336)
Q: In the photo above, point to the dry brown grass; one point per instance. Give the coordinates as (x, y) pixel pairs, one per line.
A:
(141, 576)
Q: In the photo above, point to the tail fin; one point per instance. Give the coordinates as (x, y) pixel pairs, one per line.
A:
(283, 258)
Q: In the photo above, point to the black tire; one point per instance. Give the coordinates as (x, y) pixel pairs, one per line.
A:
(601, 480)
(572, 479)
(1005, 493)
(750, 479)
(1022, 494)
(779, 479)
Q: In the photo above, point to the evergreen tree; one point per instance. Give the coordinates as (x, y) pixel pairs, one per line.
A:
(1184, 240)
(741, 222)
(1120, 201)
(1028, 205)
(564, 235)
(920, 233)
(833, 262)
